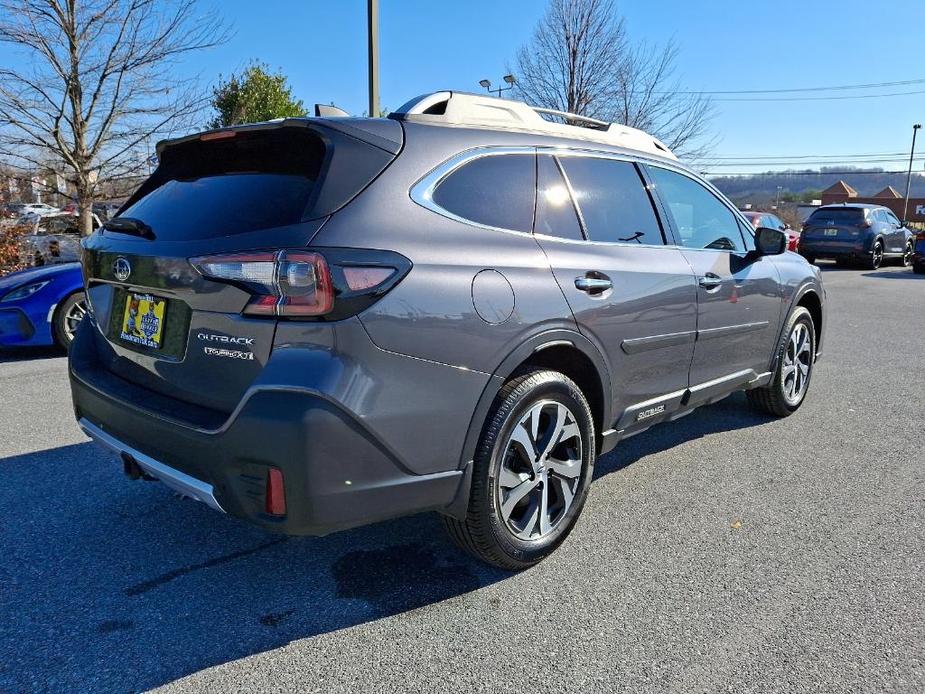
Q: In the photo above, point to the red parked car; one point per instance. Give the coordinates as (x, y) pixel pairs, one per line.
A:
(770, 221)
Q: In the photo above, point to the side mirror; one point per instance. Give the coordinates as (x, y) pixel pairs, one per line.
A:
(770, 241)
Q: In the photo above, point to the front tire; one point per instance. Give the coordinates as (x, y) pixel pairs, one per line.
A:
(531, 473)
(67, 317)
(907, 254)
(796, 355)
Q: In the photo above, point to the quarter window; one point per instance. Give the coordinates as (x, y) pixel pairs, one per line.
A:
(614, 204)
(700, 219)
(496, 190)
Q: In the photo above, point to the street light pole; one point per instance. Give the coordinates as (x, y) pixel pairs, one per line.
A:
(372, 18)
(915, 129)
(510, 79)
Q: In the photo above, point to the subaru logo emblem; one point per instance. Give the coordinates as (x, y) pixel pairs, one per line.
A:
(121, 269)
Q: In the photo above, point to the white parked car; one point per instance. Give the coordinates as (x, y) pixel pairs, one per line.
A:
(54, 238)
(35, 210)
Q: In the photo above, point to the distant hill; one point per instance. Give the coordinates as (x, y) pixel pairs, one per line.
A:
(761, 189)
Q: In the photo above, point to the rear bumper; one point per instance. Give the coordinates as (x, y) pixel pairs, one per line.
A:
(821, 248)
(337, 472)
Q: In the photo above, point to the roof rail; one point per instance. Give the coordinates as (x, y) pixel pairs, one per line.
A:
(477, 110)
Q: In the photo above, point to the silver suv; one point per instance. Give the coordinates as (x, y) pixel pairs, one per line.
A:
(318, 323)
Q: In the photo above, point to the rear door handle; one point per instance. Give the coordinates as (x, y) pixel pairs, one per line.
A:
(594, 285)
(710, 281)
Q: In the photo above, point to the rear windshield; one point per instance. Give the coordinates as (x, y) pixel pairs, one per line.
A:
(249, 182)
(846, 215)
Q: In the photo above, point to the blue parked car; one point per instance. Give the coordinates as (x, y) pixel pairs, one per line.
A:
(41, 305)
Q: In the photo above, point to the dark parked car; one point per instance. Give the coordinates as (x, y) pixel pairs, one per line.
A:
(772, 221)
(918, 254)
(318, 323)
(856, 233)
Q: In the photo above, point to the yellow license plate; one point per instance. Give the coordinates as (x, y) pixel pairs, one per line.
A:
(143, 320)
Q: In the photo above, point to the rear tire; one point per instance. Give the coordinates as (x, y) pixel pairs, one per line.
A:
(67, 317)
(531, 473)
(795, 358)
(876, 256)
(919, 269)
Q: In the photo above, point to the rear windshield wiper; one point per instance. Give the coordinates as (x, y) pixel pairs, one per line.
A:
(130, 225)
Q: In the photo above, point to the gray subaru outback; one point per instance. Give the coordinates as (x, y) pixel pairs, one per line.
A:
(318, 323)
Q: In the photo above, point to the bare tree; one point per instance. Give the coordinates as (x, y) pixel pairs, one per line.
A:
(574, 58)
(580, 60)
(97, 84)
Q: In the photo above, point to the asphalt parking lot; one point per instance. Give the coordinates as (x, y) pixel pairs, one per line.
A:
(723, 552)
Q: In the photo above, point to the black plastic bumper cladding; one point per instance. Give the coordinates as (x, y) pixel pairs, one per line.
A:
(336, 475)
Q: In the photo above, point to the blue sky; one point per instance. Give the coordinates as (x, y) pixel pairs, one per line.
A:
(724, 45)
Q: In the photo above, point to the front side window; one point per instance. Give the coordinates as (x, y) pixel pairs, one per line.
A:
(892, 218)
(614, 203)
(555, 211)
(496, 190)
(700, 219)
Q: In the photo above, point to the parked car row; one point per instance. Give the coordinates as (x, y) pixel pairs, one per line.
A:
(772, 221)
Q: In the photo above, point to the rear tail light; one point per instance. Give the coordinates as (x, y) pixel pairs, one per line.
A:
(866, 224)
(275, 495)
(304, 284)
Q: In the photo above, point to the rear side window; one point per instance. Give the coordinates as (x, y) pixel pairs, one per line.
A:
(837, 215)
(555, 211)
(700, 219)
(496, 190)
(614, 204)
(246, 183)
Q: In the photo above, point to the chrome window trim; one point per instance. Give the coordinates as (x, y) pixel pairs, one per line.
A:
(422, 191)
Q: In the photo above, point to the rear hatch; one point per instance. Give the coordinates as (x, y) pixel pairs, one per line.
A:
(166, 324)
(835, 226)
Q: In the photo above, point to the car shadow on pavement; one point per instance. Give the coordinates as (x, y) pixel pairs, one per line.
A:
(897, 274)
(117, 585)
(9, 354)
(728, 414)
(108, 584)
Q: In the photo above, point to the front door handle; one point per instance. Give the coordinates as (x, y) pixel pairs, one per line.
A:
(710, 281)
(594, 285)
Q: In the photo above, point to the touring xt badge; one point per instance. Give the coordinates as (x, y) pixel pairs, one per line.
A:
(229, 340)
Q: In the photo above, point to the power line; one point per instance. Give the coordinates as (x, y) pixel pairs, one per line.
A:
(823, 98)
(871, 85)
(756, 157)
(801, 173)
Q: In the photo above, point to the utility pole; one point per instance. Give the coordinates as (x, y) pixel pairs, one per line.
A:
(915, 129)
(777, 206)
(372, 18)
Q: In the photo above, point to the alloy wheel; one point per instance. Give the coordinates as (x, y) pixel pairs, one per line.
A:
(797, 364)
(73, 317)
(540, 470)
(877, 255)
(907, 254)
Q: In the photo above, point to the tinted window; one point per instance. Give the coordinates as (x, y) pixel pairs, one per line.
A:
(555, 211)
(836, 215)
(495, 190)
(700, 219)
(232, 186)
(613, 202)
